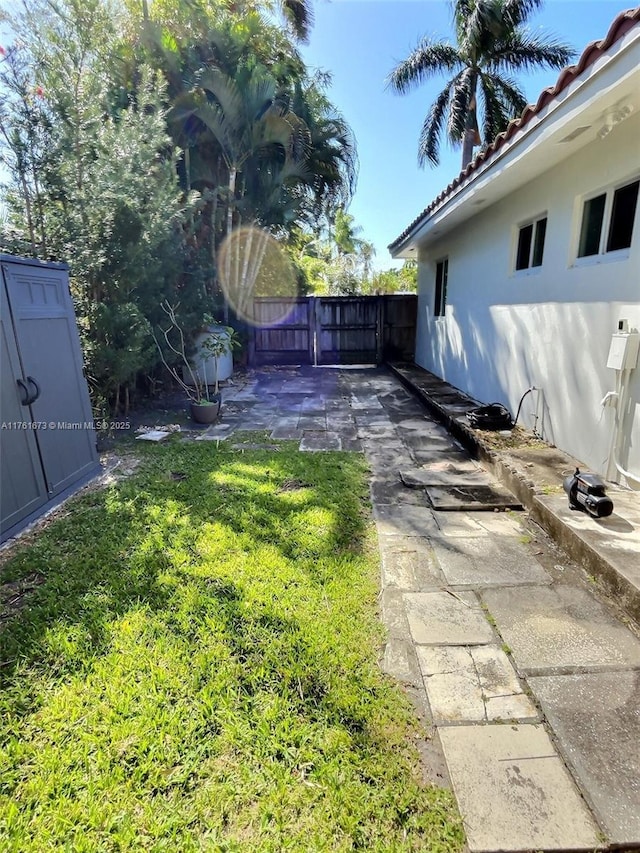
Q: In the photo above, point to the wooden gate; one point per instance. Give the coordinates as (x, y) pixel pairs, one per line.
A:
(333, 330)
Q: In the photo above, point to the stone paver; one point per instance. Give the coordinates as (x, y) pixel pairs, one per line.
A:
(406, 519)
(458, 497)
(560, 628)
(316, 440)
(399, 660)
(409, 563)
(487, 561)
(445, 473)
(457, 524)
(153, 435)
(440, 618)
(472, 684)
(284, 433)
(389, 491)
(513, 790)
(597, 718)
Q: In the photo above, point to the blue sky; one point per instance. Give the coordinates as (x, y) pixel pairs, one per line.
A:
(359, 42)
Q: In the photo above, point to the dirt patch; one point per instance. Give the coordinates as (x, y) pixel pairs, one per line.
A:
(12, 594)
(517, 438)
(292, 486)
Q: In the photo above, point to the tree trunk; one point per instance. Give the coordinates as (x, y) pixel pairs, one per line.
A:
(187, 168)
(471, 134)
(233, 173)
(467, 147)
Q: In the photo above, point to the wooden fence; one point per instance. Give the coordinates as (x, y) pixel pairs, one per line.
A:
(333, 330)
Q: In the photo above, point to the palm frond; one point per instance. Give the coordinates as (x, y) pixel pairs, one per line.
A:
(496, 113)
(299, 16)
(477, 25)
(459, 105)
(431, 134)
(428, 59)
(215, 120)
(511, 95)
(518, 12)
(522, 50)
(226, 93)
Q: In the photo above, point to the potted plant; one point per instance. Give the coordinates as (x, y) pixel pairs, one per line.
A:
(204, 405)
(220, 343)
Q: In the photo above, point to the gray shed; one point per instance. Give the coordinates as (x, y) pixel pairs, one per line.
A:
(47, 440)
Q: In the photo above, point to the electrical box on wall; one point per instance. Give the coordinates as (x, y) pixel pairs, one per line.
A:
(623, 352)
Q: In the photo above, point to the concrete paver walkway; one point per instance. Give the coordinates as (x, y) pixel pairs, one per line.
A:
(531, 682)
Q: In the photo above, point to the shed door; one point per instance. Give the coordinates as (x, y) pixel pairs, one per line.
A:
(22, 489)
(50, 352)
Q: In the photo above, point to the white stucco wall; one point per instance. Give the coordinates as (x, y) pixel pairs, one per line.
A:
(551, 326)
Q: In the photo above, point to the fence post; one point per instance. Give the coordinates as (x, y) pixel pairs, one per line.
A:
(379, 329)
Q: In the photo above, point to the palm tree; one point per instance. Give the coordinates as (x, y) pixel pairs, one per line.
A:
(492, 44)
(332, 159)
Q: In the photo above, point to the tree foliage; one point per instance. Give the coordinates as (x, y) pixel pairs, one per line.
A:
(138, 136)
(481, 95)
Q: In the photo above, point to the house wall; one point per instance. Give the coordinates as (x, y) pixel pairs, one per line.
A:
(550, 326)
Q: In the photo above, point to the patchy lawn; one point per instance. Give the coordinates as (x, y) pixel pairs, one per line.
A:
(196, 669)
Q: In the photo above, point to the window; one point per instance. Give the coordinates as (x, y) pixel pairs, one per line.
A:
(607, 221)
(531, 244)
(442, 274)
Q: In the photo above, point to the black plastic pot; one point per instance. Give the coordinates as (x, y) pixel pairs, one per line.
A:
(205, 413)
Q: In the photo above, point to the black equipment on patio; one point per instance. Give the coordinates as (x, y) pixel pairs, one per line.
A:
(587, 492)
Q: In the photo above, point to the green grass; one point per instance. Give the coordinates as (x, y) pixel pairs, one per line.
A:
(198, 672)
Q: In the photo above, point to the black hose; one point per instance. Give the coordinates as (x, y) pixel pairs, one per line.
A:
(495, 416)
(528, 391)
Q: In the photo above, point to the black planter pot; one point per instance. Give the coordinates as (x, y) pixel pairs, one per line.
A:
(205, 413)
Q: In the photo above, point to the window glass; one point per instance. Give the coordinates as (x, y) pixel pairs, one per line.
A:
(538, 246)
(592, 216)
(440, 301)
(524, 247)
(623, 214)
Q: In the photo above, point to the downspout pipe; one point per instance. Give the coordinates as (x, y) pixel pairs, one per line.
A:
(623, 377)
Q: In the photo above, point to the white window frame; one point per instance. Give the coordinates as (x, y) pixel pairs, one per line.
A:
(602, 256)
(531, 220)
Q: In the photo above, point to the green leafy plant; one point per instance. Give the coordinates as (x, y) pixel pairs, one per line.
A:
(221, 340)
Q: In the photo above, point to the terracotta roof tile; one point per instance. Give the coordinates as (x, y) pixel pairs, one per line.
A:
(624, 22)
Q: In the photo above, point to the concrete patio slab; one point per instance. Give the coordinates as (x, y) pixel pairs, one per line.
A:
(389, 491)
(445, 473)
(410, 565)
(309, 423)
(284, 433)
(422, 442)
(560, 629)
(154, 435)
(443, 619)
(405, 520)
(500, 523)
(597, 720)
(400, 662)
(472, 497)
(452, 453)
(514, 791)
(454, 524)
(318, 440)
(394, 614)
(487, 561)
(351, 445)
(472, 684)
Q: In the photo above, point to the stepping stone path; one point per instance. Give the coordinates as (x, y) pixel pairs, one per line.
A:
(531, 683)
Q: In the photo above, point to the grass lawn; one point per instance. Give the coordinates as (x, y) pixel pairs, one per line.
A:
(198, 670)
